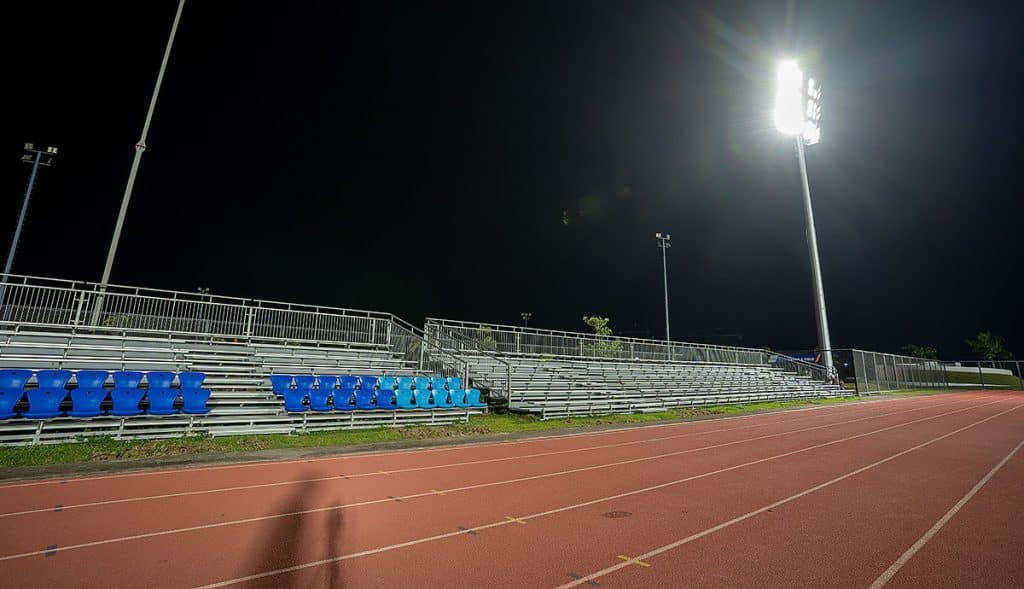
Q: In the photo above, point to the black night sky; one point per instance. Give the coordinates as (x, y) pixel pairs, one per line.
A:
(476, 161)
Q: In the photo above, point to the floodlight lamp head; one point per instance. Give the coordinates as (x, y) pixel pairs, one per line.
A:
(657, 235)
(797, 104)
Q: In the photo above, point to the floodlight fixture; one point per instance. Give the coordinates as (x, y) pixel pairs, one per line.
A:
(797, 103)
(663, 243)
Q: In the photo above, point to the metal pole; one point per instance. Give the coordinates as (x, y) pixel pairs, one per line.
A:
(21, 217)
(824, 341)
(664, 274)
(139, 148)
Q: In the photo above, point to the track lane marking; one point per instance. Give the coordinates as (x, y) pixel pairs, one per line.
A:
(750, 514)
(916, 546)
(572, 507)
(413, 469)
(494, 484)
(430, 449)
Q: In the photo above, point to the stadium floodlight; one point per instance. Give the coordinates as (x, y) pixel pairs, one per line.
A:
(36, 157)
(526, 318)
(140, 146)
(798, 114)
(663, 243)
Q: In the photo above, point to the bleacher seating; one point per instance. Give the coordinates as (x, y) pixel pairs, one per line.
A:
(241, 390)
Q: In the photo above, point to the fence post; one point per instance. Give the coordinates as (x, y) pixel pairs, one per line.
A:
(1020, 381)
(981, 374)
(78, 309)
(249, 317)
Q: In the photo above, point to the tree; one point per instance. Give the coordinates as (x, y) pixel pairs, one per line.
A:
(990, 347)
(926, 352)
(601, 347)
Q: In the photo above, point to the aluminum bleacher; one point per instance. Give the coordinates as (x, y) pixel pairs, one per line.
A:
(236, 343)
(559, 374)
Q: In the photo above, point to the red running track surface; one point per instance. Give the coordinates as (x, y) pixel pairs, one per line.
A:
(914, 492)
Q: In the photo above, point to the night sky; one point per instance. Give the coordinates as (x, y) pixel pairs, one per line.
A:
(477, 161)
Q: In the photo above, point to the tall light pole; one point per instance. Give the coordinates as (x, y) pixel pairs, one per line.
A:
(526, 318)
(140, 146)
(798, 114)
(36, 157)
(663, 243)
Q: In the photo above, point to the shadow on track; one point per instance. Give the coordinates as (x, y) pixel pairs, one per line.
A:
(303, 538)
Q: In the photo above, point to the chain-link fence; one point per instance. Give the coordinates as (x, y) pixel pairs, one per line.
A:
(875, 372)
(984, 374)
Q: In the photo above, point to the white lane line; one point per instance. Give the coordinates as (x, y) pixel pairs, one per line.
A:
(750, 514)
(906, 556)
(573, 506)
(431, 449)
(68, 507)
(451, 490)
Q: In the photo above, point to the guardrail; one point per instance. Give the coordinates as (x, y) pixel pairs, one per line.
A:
(514, 340)
(48, 301)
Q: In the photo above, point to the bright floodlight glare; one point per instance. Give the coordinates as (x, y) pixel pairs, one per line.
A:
(789, 99)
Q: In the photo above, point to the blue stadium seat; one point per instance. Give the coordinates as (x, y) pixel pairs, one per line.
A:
(294, 400)
(473, 398)
(438, 382)
(386, 383)
(404, 382)
(127, 394)
(344, 398)
(44, 401)
(454, 382)
(161, 395)
(440, 397)
(319, 399)
(368, 382)
(423, 400)
(404, 399)
(364, 398)
(459, 398)
(12, 389)
(386, 399)
(280, 383)
(193, 393)
(87, 397)
(422, 383)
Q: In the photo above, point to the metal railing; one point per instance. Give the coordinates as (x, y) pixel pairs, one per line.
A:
(463, 348)
(514, 340)
(48, 301)
(875, 372)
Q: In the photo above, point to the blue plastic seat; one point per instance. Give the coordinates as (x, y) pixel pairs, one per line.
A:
(319, 398)
(422, 383)
(404, 382)
(127, 394)
(438, 382)
(281, 383)
(404, 399)
(344, 398)
(473, 398)
(440, 398)
(12, 389)
(386, 383)
(294, 400)
(161, 395)
(193, 394)
(364, 398)
(459, 398)
(87, 397)
(454, 382)
(368, 382)
(386, 399)
(44, 402)
(423, 400)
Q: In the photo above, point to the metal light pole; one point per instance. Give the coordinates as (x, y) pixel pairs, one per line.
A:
(798, 113)
(36, 161)
(140, 146)
(663, 243)
(526, 318)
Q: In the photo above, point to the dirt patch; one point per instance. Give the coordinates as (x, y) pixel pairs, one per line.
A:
(442, 431)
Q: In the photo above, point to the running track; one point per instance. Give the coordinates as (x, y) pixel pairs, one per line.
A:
(914, 492)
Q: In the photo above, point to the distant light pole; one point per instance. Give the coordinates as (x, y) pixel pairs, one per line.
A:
(663, 243)
(140, 146)
(36, 160)
(526, 318)
(798, 114)
(204, 292)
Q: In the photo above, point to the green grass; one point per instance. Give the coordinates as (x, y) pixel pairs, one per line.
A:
(1008, 381)
(106, 449)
